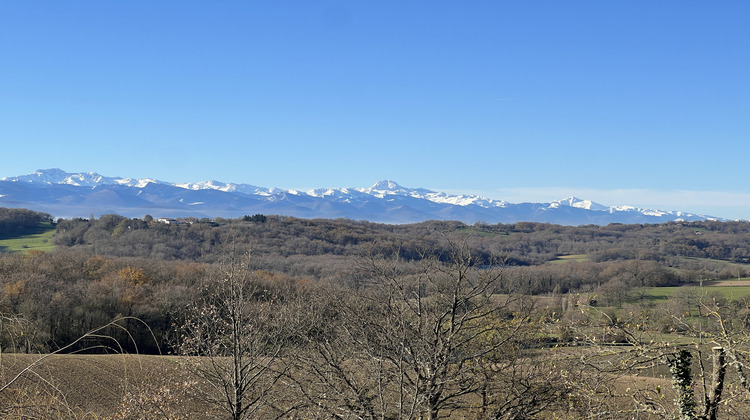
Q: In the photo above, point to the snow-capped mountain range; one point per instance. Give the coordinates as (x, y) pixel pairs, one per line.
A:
(64, 194)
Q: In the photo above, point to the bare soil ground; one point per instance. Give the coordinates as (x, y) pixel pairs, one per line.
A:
(727, 283)
(101, 387)
(96, 387)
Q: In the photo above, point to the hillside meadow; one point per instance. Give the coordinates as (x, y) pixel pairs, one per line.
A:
(38, 238)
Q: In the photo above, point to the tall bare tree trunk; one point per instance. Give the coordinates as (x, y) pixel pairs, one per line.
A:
(717, 387)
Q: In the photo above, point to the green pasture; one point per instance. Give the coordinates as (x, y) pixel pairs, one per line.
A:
(726, 291)
(38, 238)
(727, 264)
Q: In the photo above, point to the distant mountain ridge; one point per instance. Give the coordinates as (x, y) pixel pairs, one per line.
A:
(64, 194)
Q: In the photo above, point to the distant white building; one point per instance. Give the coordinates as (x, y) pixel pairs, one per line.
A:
(169, 221)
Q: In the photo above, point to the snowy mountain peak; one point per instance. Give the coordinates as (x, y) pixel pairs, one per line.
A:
(55, 175)
(573, 201)
(45, 176)
(206, 185)
(385, 201)
(134, 182)
(387, 188)
(58, 176)
(386, 185)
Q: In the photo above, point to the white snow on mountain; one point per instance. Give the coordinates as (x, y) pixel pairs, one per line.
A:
(647, 212)
(387, 190)
(390, 188)
(81, 179)
(380, 189)
(207, 185)
(134, 182)
(613, 209)
(58, 176)
(385, 187)
(325, 192)
(578, 203)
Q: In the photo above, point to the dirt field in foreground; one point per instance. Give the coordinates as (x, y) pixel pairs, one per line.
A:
(727, 283)
(101, 386)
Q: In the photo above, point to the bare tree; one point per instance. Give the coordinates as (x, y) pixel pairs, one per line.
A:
(234, 337)
(424, 340)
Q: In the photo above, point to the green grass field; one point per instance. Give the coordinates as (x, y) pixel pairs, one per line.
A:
(39, 238)
(727, 291)
(734, 266)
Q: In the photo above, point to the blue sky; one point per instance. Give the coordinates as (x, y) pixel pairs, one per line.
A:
(639, 102)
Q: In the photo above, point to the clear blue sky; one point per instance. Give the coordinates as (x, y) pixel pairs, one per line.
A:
(629, 102)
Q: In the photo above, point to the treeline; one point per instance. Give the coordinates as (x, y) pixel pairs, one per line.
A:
(57, 297)
(521, 244)
(63, 294)
(15, 221)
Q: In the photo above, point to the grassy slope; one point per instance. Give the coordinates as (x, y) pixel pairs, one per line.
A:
(39, 238)
(728, 289)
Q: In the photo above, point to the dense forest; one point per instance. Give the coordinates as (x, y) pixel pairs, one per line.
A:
(322, 276)
(320, 249)
(521, 244)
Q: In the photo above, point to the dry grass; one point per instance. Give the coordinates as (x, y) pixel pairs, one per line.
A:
(139, 387)
(102, 387)
(730, 282)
